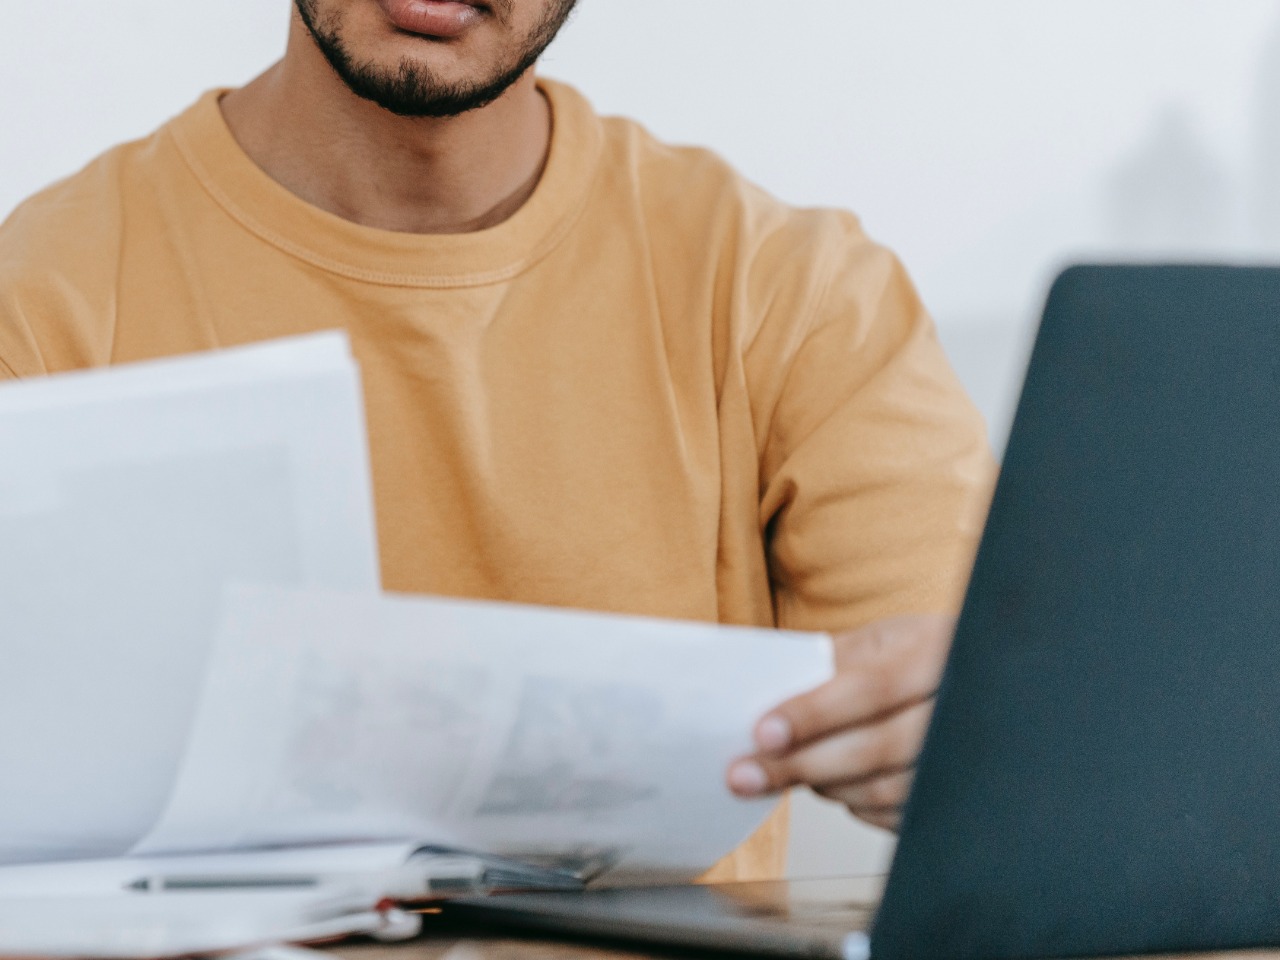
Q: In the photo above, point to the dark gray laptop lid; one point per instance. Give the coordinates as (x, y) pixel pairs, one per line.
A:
(1102, 775)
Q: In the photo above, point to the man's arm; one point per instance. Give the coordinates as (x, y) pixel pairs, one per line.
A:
(876, 476)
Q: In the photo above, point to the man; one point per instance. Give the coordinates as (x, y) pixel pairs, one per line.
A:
(600, 372)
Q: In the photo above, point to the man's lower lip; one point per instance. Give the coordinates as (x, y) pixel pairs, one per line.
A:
(431, 18)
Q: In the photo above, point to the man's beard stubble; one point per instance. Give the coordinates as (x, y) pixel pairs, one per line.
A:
(411, 90)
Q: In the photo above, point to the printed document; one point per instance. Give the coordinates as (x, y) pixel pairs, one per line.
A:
(587, 742)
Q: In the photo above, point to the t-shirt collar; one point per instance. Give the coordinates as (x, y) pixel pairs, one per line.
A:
(341, 246)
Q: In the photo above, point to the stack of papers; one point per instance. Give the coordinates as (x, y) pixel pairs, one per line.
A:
(205, 688)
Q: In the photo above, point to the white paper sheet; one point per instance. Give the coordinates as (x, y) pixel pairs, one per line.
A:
(128, 498)
(208, 924)
(270, 360)
(108, 877)
(544, 735)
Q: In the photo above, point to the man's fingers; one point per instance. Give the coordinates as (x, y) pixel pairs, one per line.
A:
(875, 799)
(839, 703)
(848, 757)
(881, 669)
(855, 738)
(890, 820)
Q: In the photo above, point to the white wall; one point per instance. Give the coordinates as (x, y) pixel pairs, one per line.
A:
(988, 141)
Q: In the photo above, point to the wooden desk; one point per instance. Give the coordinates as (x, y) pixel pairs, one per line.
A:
(496, 949)
(449, 938)
(459, 938)
(506, 949)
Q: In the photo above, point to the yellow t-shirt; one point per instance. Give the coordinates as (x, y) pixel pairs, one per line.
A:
(654, 389)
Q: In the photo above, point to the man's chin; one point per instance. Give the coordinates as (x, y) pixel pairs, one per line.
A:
(413, 74)
(412, 88)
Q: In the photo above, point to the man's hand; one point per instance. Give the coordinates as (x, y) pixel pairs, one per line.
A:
(855, 738)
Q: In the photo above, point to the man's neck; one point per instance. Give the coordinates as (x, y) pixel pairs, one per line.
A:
(300, 124)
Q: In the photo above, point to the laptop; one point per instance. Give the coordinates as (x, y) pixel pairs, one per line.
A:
(1102, 772)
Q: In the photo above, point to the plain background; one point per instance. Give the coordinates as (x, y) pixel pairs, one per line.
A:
(990, 142)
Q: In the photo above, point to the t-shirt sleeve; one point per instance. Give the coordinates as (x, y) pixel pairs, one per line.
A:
(19, 353)
(60, 256)
(876, 469)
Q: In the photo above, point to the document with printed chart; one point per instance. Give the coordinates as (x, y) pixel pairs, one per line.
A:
(588, 743)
